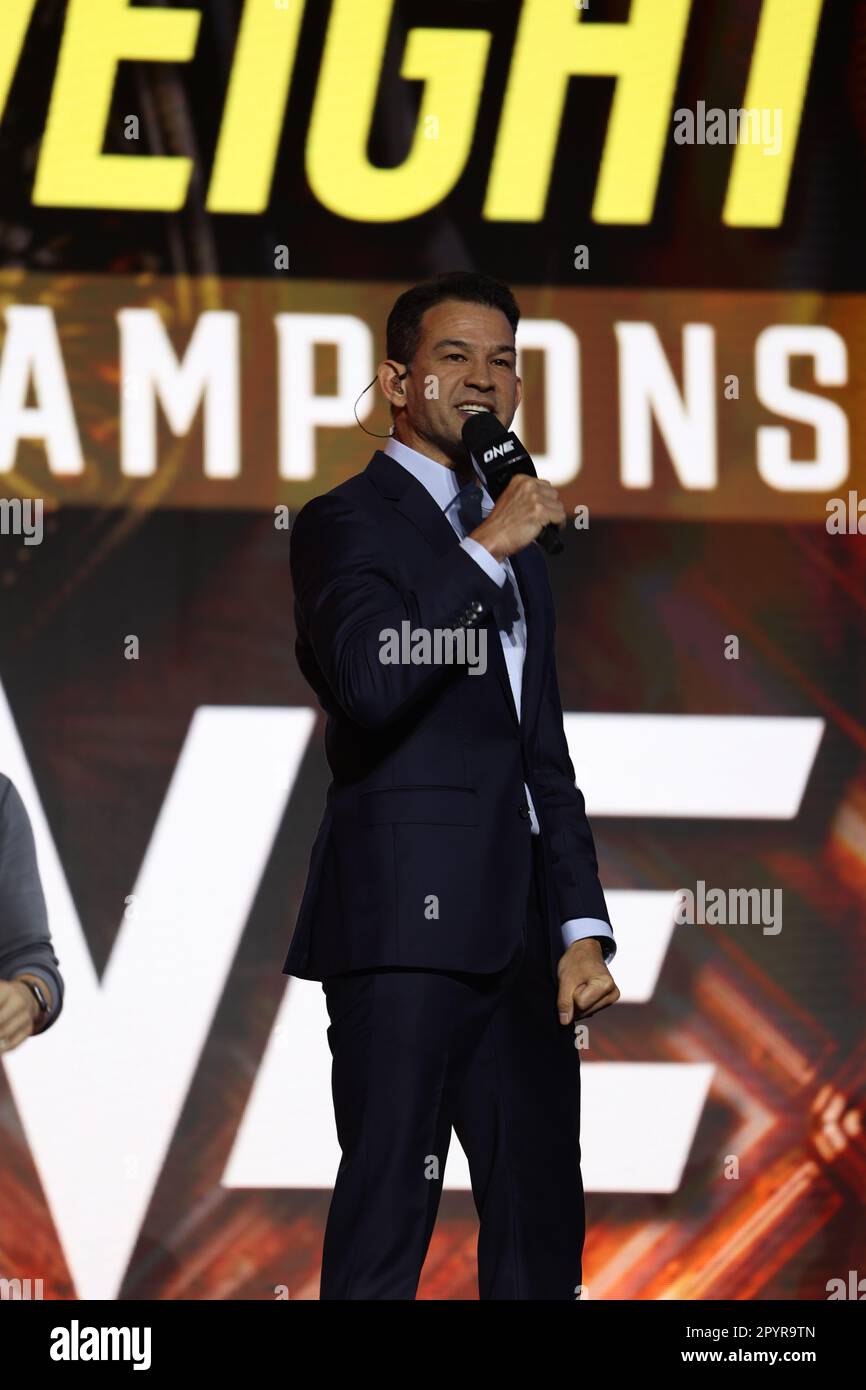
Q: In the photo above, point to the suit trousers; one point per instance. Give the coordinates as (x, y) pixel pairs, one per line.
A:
(416, 1052)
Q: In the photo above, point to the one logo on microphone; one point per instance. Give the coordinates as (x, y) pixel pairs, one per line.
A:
(498, 451)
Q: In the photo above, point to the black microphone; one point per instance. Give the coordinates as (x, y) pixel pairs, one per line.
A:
(500, 455)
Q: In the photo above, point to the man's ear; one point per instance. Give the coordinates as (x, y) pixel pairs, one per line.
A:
(388, 376)
(518, 392)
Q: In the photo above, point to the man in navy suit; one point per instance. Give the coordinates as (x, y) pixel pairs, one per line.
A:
(453, 910)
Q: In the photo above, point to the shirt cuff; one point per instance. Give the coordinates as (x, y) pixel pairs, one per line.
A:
(488, 562)
(577, 928)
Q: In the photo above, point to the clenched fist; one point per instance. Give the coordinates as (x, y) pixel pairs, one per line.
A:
(525, 507)
(585, 984)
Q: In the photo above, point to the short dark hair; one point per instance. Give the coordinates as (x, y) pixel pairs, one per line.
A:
(404, 321)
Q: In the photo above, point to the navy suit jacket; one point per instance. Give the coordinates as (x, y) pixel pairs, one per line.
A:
(427, 802)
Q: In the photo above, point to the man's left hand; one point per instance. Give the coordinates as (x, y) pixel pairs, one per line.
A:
(585, 984)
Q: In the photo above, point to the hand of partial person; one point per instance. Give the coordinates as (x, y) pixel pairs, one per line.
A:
(18, 1014)
(585, 984)
(521, 512)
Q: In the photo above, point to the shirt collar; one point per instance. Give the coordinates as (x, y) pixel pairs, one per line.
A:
(442, 483)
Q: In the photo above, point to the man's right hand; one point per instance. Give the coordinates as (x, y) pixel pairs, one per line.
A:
(526, 506)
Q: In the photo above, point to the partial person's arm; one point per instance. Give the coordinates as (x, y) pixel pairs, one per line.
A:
(25, 940)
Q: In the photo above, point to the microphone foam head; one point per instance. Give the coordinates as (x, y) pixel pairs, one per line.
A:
(480, 431)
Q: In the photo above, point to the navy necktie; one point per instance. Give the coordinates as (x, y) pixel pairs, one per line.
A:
(469, 510)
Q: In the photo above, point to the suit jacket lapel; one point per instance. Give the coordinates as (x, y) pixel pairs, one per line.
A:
(414, 502)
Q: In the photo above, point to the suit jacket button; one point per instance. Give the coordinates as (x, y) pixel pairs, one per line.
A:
(524, 809)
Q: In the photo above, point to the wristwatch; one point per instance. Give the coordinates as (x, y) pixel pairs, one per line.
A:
(38, 994)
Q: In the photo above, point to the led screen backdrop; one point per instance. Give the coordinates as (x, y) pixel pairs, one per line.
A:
(206, 212)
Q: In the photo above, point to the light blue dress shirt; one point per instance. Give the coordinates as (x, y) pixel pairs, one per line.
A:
(443, 486)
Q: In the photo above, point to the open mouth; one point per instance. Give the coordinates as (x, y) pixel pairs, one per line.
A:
(475, 408)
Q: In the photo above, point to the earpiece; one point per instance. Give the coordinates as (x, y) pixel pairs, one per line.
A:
(373, 433)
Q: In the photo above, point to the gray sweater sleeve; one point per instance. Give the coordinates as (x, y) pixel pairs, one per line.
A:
(25, 941)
